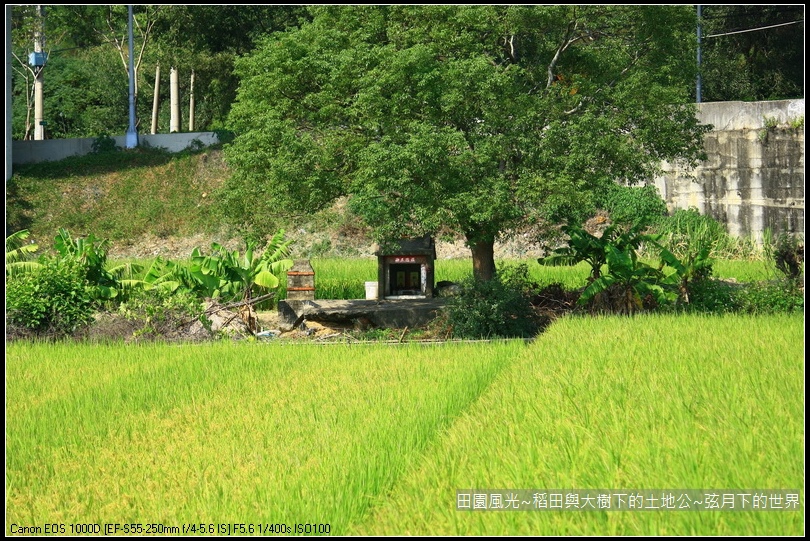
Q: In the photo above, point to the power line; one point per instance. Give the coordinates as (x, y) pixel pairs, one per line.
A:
(753, 29)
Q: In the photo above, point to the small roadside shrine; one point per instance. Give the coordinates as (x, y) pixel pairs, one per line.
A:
(405, 269)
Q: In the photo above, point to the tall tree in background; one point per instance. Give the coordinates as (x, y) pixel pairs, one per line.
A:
(225, 28)
(87, 92)
(752, 52)
(473, 119)
(82, 100)
(100, 27)
(208, 39)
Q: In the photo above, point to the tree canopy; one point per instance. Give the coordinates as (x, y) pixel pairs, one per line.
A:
(749, 52)
(469, 119)
(86, 76)
(752, 52)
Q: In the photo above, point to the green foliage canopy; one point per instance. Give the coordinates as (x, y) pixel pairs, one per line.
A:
(86, 76)
(752, 52)
(19, 255)
(472, 119)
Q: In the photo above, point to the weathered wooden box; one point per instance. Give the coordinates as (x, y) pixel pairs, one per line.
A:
(301, 281)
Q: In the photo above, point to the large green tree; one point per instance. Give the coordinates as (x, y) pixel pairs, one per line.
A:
(471, 119)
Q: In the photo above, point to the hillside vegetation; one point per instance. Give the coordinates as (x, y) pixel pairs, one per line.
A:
(148, 202)
(123, 196)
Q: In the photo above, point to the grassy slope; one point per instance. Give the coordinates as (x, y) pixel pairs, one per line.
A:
(148, 202)
(120, 196)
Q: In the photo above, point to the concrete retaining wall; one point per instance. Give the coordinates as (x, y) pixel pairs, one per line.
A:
(58, 149)
(754, 176)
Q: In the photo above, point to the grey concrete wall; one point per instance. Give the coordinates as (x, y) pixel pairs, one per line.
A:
(753, 179)
(743, 115)
(57, 149)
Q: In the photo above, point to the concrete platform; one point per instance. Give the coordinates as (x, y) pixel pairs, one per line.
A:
(388, 314)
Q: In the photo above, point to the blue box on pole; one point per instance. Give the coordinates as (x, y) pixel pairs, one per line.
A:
(37, 59)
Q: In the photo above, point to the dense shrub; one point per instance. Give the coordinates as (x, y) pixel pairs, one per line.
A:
(158, 313)
(714, 296)
(628, 204)
(686, 232)
(499, 307)
(52, 301)
(771, 297)
(787, 254)
(761, 297)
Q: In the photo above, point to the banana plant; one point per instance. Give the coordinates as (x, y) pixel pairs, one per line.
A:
(583, 246)
(19, 254)
(222, 274)
(233, 276)
(632, 280)
(695, 266)
(104, 282)
(169, 276)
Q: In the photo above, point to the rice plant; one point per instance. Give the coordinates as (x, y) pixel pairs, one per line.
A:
(376, 439)
(650, 402)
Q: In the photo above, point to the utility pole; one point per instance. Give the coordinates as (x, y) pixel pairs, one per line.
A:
(37, 62)
(174, 96)
(132, 134)
(699, 30)
(8, 97)
(155, 100)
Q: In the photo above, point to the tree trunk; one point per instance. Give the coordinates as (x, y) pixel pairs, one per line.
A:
(174, 97)
(156, 100)
(191, 104)
(483, 254)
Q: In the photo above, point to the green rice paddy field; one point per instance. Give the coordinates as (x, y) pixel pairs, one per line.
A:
(377, 439)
